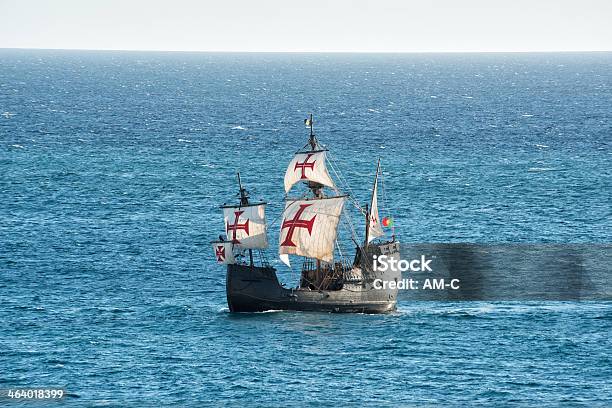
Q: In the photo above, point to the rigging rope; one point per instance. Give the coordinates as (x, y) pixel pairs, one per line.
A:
(346, 185)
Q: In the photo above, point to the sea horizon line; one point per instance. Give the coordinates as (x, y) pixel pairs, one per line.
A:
(311, 51)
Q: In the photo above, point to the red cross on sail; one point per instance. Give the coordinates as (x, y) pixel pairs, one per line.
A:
(220, 252)
(236, 226)
(294, 223)
(223, 252)
(309, 227)
(305, 165)
(308, 166)
(245, 226)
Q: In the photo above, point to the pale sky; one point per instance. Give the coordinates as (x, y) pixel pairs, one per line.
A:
(315, 25)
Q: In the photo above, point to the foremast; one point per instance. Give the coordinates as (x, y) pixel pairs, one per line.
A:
(245, 229)
(244, 201)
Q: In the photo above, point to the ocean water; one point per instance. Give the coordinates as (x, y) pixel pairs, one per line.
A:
(113, 164)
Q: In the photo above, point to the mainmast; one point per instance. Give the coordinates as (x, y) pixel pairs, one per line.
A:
(316, 188)
(313, 139)
(244, 195)
(245, 227)
(310, 225)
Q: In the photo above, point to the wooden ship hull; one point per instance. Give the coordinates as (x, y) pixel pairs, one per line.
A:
(347, 289)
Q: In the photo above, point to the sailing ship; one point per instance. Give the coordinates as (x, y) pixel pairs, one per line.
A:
(329, 281)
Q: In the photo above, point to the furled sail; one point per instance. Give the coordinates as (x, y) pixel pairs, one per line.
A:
(309, 227)
(223, 252)
(374, 226)
(308, 166)
(245, 225)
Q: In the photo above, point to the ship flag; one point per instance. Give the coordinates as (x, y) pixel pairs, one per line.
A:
(308, 166)
(245, 226)
(309, 227)
(223, 252)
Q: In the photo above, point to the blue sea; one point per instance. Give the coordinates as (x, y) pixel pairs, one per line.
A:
(113, 165)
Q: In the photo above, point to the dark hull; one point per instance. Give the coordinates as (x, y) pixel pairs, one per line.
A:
(257, 289)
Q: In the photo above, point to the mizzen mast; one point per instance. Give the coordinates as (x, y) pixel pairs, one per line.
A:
(373, 225)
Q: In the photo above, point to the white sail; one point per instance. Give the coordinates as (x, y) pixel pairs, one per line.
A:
(223, 252)
(245, 226)
(285, 259)
(309, 227)
(309, 166)
(374, 223)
